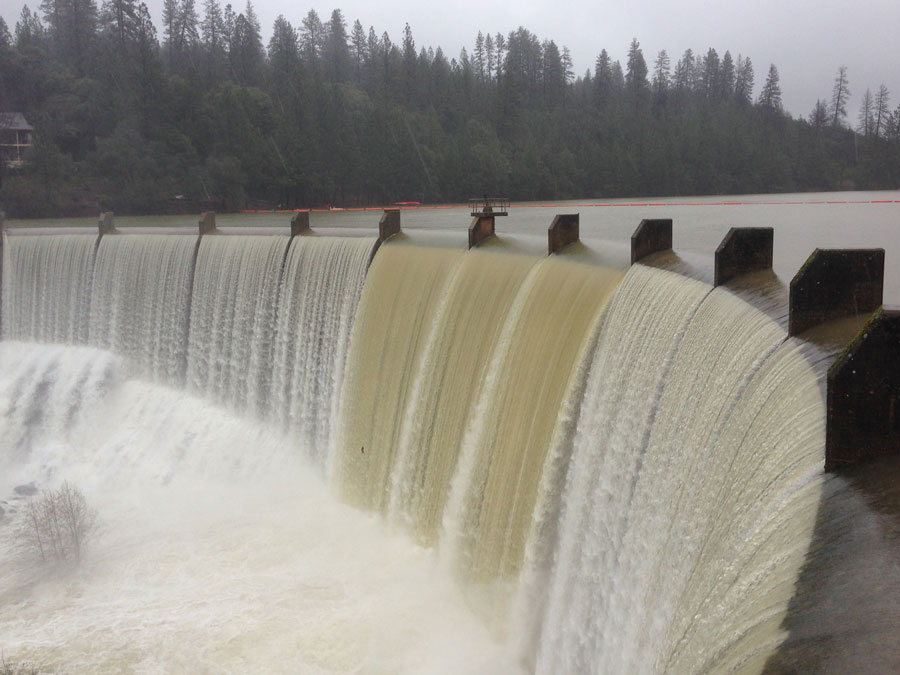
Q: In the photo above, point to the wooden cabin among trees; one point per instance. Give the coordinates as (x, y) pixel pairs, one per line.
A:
(15, 139)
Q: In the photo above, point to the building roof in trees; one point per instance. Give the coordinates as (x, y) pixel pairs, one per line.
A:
(14, 121)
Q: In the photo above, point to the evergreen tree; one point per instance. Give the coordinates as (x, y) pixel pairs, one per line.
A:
(683, 76)
(336, 48)
(149, 71)
(409, 65)
(188, 33)
(478, 56)
(213, 40)
(246, 52)
(284, 52)
(358, 41)
(894, 126)
(72, 25)
(818, 118)
(743, 81)
(636, 72)
(30, 33)
(770, 96)
(170, 30)
(568, 65)
(489, 56)
(500, 46)
(661, 77)
(553, 74)
(618, 77)
(117, 17)
(5, 37)
(710, 75)
(866, 119)
(603, 76)
(840, 94)
(312, 39)
(882, 110)
(726, 77)
(180, 32)
(373, 50)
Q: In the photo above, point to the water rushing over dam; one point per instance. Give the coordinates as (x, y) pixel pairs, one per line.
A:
(556, 463)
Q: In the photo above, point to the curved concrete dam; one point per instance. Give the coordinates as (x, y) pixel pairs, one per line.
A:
(389, 452)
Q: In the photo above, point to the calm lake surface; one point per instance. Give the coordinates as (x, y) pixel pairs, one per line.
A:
(802, 222)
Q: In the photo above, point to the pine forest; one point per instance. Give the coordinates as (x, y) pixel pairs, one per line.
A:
(205, 111)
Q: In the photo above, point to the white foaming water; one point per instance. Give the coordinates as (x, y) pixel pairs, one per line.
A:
(323, 280)
(141, 301)
(218, 548)
(233, 312)
(691, 493)
(47, 287)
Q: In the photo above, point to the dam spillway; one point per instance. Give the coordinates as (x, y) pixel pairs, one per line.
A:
(626, 461)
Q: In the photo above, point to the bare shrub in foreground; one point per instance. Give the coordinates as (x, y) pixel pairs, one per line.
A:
(9, 668)
(57, 524)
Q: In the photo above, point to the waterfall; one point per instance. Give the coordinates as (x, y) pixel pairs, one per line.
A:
(47, 287)
(691, 493)
(44, 393)
(136, 316)
(323, 281)
(403, 292)
(244, 320)
(461, 344)
(565, 467)
(493, 494)
(233, 311)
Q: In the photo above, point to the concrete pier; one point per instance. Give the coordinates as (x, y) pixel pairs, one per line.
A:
(833, 284)
(107, 223)
(743, 250)
(482, 228)
(300, 224)
(208, 223)
(863, 415)
(564, 230)
(388, 226)
(651, 236)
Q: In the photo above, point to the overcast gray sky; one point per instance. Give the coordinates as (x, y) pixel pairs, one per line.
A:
(807, 41)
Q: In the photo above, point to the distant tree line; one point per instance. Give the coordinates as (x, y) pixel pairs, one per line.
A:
(324, 113)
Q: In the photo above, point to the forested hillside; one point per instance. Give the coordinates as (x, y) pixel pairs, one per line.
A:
(331, 113)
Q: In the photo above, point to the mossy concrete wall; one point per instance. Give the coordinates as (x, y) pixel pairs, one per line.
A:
(562, 232)
(743, 250)
(651, 236)
(833, 284)
(482, 228)
(208, 222)
(863, 414)
(300, 224)
(388, 226)
(106, 224)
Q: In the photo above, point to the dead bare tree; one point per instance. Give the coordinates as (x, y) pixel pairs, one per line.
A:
(57, 523)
